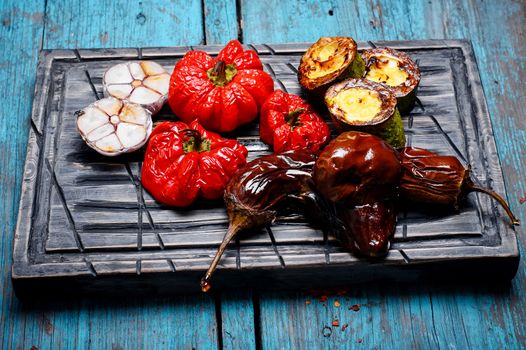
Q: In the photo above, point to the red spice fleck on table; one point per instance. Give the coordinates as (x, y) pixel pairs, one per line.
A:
(355, 307)
(307, 302)
(337, 303)
(336, 323)
(323, 298)
(522, 200)
(344, 327)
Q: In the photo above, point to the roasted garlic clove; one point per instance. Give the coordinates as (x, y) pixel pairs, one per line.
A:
(144, 82)
(112, 127)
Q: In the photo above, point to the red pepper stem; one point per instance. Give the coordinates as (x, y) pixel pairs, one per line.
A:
(499, 199)
(292, 117)
(219, 71)
(238, 224)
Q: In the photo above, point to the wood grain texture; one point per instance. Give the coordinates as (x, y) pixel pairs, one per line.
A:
(101, 23)
(221, 23)
(421, 317)
(21, 31)
(455, 317)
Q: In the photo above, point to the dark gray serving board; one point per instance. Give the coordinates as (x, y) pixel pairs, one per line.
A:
(86, 225)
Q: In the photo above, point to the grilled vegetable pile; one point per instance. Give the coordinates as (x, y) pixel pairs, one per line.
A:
(352, 186)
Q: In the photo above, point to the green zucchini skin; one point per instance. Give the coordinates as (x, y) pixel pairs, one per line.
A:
(406, 103)
(391, 130)
(357, 67)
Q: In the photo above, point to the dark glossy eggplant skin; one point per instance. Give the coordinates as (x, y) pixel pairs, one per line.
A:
(431, 178)
(359, 173)
(357, 168)
(370, 227)
(258, 191)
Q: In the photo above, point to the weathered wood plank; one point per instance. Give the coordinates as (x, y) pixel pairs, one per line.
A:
(101, 23)
(238, 319)
(423, 317)
(21, 31)
(221, 25)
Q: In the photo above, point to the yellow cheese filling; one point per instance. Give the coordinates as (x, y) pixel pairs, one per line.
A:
(321, 56)
(358, 104)
(387, 71)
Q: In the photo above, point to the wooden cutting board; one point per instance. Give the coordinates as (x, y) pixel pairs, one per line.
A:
(86, 225)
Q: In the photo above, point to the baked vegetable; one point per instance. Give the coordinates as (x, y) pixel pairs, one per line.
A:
(363, 105)
(259, 190)
(359, 173)
(289, 123)
(396, 70)
(184, 162)
(223, 92)
(439, 180)
(112, 127)
(328, 60)
(143, 82)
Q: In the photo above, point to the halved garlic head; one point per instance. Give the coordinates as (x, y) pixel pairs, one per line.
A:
(112, 127)
(144, 82)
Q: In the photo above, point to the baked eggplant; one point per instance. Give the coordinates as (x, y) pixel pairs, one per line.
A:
(396, 70)
(363, 105)
(328, 60)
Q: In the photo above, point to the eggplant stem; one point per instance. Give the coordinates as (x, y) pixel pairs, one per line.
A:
(233, 229)
(499, 199)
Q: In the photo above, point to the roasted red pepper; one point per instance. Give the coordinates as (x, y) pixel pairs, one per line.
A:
(183, 162)
(289, 123)
(222, 93)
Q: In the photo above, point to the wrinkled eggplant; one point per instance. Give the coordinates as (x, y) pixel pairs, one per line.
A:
(440, 180)
(257, 192)
(370, 226)
(359, 173)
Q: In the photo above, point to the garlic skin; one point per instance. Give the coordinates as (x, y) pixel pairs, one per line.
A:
(112, 127)
(141, 82)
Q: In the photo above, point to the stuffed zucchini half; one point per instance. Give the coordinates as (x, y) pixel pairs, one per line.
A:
(328, 60)
(396, 70)
(363, 105)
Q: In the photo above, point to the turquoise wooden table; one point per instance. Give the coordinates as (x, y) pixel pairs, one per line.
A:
(377, 316)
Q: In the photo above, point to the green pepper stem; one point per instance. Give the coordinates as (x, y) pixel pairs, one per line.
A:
(499, 199)
(193, 142)
(292, 117)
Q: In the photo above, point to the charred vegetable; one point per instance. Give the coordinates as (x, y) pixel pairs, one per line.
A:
(328, 60)
(256, 193)
(443, 180)
(144, 82)
(288, 123)
(360, 173)
(183, 162)
(222, 92)
(396, 70)
(112, 127)
(363, 105)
